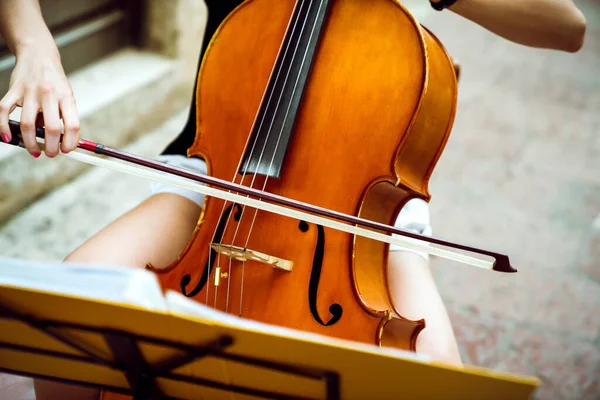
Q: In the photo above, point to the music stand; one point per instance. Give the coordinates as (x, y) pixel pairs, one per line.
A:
(160, 355)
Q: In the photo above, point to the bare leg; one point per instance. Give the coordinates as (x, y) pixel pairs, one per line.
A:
(156, 231)
(134, 239)
(415, 296)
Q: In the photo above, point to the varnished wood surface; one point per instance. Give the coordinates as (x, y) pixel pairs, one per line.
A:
(375, 117)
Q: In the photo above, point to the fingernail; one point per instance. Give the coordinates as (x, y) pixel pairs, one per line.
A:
(5, 137)
(36, 154)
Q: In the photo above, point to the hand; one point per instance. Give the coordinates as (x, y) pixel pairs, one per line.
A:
(38, 84)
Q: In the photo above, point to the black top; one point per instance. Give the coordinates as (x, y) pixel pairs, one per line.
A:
(218, 10)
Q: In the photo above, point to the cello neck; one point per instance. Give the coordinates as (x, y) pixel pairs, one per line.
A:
(274, 123)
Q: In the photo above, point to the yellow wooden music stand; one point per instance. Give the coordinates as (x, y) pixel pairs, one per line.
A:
(158, 355)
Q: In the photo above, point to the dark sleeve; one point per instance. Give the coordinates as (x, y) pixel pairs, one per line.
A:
(217, 10)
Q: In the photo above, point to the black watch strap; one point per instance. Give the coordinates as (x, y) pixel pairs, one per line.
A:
(440, 5)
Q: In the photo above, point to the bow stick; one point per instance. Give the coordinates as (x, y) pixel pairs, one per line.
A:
(144, 167)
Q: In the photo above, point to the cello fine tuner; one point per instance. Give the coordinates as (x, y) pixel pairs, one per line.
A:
(219, 275)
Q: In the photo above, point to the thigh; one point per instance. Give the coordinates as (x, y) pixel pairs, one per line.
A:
(156, 231)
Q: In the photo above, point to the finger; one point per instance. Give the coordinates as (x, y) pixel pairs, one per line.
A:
(70, 117)
(51, 124)
(7, 105)
(28, 116)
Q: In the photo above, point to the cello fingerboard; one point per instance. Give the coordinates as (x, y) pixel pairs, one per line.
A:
(273, 127)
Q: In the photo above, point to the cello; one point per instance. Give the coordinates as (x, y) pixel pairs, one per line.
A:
(345, 105)
(342, 104)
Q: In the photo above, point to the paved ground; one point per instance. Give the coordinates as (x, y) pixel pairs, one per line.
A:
(520, 175)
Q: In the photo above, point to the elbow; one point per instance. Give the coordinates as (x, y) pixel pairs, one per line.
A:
(576, 37)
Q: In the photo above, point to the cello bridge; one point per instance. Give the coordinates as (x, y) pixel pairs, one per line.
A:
(241, 254)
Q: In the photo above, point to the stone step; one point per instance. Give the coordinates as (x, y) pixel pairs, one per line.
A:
(57, 223)
(118, 98)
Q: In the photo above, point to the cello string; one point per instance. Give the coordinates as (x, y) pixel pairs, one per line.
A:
(279, 136)
(282, 125)
(300, 2)
(217, 278)
(208, 272)
(279, 71)
(269, 130)
(293, 24)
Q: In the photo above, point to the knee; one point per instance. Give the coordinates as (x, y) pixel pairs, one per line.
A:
(441, 348)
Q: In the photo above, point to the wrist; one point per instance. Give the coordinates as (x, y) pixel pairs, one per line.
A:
(32, 36)
(39, 46)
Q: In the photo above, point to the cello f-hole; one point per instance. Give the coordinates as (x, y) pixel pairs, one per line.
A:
(186, 279)
(315, 276)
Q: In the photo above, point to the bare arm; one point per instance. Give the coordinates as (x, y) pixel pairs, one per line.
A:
(38, 82)
(551, 24)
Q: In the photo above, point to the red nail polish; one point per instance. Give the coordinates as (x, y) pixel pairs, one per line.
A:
(36, 154)
(5, 137)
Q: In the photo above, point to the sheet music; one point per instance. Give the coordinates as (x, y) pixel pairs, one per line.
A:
(132, 286)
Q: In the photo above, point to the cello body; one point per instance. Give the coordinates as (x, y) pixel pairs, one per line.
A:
(374, 116)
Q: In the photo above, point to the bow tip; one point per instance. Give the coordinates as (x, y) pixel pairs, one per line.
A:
(502, 264)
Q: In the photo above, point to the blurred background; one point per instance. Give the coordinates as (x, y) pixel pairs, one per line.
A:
(520, 174)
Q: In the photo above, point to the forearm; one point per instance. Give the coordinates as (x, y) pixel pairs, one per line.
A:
(23, 27)
(553, 24)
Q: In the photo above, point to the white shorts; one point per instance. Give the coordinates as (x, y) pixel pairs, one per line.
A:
(413, 217)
